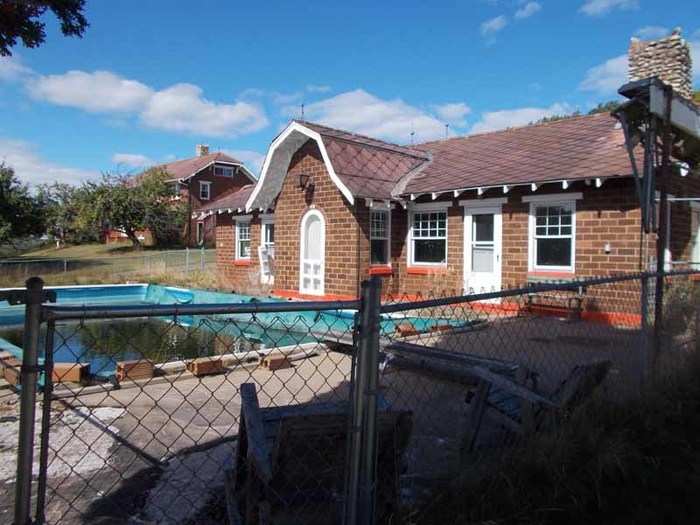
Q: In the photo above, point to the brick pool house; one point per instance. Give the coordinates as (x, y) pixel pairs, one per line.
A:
(551, 201)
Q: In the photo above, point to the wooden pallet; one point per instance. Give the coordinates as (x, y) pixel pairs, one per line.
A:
(205, 365)
(136, 369)
(11, 370)
(276, 362)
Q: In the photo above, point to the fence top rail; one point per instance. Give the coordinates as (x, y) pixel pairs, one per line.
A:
(134, 256)
(530, 289)
(76, 313)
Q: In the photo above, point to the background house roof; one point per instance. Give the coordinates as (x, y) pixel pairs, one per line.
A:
(233, 200)
(573, 148)
(186, 168)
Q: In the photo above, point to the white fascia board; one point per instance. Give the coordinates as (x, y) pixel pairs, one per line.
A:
(554, 197)
(295, 126)
(427, 206)
(479, 203)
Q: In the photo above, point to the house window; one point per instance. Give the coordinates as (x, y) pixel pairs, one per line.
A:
(429, 237)
(242, 240)
(552, 235)
(204, 190)
(269, 235)
(200, 233)
(223, 171)
(379, 237)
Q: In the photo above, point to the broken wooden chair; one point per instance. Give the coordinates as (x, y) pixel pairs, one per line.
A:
(290, 463)
(522, 411)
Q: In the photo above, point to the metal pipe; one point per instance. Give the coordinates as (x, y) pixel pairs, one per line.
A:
(28, 373)
(159, 310)
(45, 423)
(368, 480)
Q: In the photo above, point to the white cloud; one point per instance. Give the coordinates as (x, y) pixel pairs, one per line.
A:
(508, 118)
(601, 7)
(651, 32)
(132, 160)
(364, 113)
(607, 77)
(181, 108)
(453, 113)
(494, 25)
(12, 69)
(528, 10)
(32, 168)
(318, 88)
(252, 159)
(97, 92)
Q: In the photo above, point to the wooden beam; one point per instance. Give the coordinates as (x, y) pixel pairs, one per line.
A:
(255, 431)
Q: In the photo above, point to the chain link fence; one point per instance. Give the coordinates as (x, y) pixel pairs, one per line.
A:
(320, 412)
(178, 263)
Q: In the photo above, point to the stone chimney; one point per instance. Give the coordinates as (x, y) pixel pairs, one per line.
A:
(201, 150)
(667, 59)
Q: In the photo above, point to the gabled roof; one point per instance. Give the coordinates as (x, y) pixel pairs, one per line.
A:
(586, 147)
(233, 200)
(184, 169)
(370, 168)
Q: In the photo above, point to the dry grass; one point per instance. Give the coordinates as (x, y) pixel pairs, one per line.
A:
(634, 463)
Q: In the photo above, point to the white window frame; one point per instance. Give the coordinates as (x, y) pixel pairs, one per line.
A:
(200, 232)
(204, 184)
(556, 199)
(428, 207)
(223, 170)
(264, 223)
(387, 237)
(237, 230)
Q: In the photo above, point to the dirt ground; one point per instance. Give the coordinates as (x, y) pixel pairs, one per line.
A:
(156, 453)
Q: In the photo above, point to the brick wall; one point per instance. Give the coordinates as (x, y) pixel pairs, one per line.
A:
(237, 275)
(342, 231)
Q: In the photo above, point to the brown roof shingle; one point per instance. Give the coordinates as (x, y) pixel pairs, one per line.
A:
(181, 169)
(233, 200)
(573, 148)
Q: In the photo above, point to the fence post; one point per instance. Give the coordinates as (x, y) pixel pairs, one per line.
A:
(187, 260)
(202, 259)
(362, 465)
(45, 424)
(28, 374)
(646, 344)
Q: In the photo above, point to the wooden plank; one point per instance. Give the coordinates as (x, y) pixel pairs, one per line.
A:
(258, 449)
(508, 385)
(70, 372)
(476, 416)
(205, 366)
(136, 369)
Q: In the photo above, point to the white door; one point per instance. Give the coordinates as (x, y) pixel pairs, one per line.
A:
(482, 250)
(312, 253)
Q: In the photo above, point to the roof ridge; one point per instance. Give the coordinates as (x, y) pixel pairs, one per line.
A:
(518, 128)
(391, 146)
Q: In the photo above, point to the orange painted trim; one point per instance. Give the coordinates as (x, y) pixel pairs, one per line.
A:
(294, 294)
(380, 270)
(242, 262)
(425, 270)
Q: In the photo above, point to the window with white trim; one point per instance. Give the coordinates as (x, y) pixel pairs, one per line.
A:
(379, 236)
(429, 237)
(223, 171)
(242, 239)
(552, 233)
(204, 190)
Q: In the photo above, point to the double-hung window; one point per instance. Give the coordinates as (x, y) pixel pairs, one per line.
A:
(552, 235)
(379, 237)
(242, 239)
(223, 171)
(429, 237)
(204, 190)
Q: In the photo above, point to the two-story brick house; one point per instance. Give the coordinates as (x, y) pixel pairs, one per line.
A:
(198, 181)
(475, 213)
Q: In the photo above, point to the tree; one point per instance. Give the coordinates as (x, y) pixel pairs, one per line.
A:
(61, 203)
(605, 107)
(20, 19)
(21, 214)
(121, 203)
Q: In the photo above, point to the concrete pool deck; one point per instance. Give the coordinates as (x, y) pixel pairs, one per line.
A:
(157, 452)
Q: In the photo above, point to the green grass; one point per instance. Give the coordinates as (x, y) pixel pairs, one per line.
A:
(88, 251)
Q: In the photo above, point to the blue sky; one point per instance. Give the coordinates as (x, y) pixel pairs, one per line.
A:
(152, 78)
